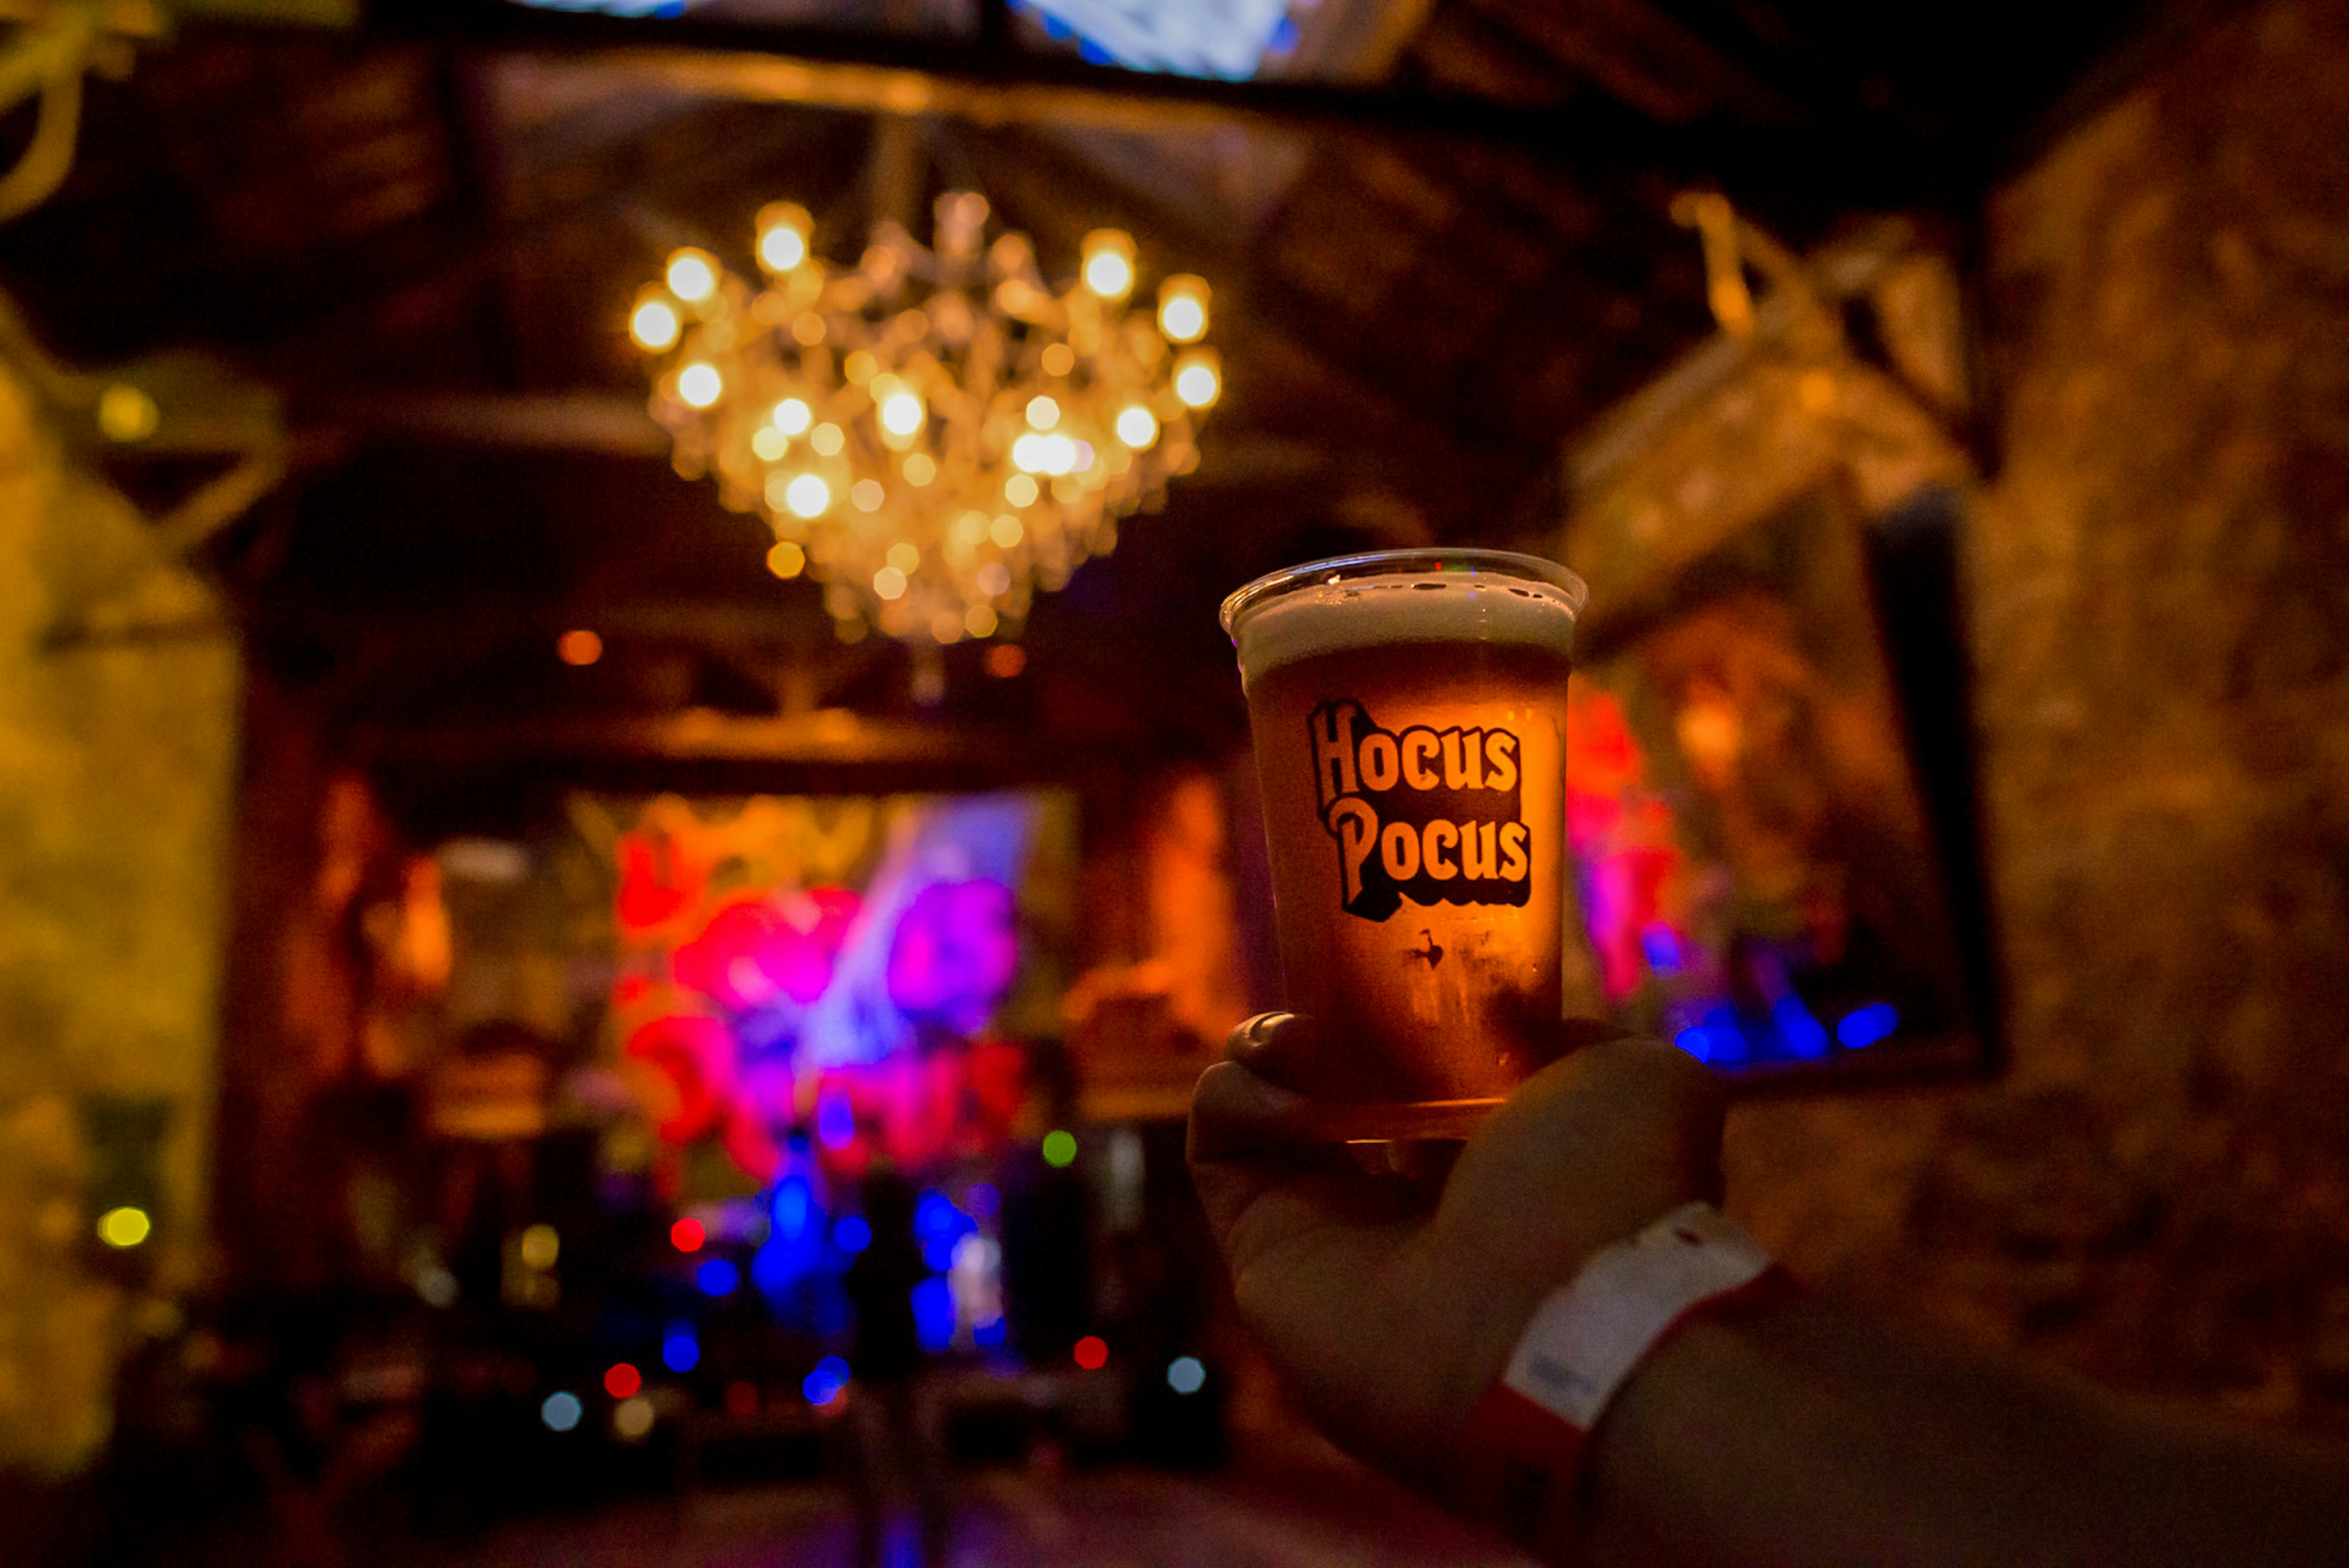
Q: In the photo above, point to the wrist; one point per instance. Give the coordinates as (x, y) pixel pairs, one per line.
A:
(1525, 1436)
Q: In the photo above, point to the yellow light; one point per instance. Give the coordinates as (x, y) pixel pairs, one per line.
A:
(807, 328)
(1109, 263)
(904, 556)
(971, 527)
(860, 367)
(866, 495)
(1059, 452)
(125, 413)
(1182, 308)
(781, 249)
(994, 579)
(791, 416)
(945, 626)
(653, 326)
(889, 582)
(807, 496)
(786, 560)
(980, 621)
(540, 1246)
(901, 414)
(632, 1417)
(1137, 426)
(699, 384)
(1027, 452)
(1042, 412)
(783, 235)
(1197, 382)
(1181, 320)
(770, 443)
(1019, 490)
(919, 470)
(1005, 530)
(1059, 359)
(692, 276)
(827, 440)
(123, 1227)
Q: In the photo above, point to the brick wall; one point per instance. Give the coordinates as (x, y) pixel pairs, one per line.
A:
(2157, 1192)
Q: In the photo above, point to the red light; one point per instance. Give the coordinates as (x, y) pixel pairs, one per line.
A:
(1092, 1352)
(623, 1381)
(741, 1399)
(687, 1235)
(579, 647)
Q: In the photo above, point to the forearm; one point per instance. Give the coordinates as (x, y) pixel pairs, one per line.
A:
(1804, 1434)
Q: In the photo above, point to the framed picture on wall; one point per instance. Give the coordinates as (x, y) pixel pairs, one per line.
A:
(1771, 804)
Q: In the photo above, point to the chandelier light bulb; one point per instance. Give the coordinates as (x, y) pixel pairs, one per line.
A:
(901, 414)
(1182, 308)
(1006, 529)
(866, 495)
(827, 440)
(1019, 490)
(1137, 426)
(770, 443)
(807, 496)
(1109, 263)
(786, 560)
(1043, 412)
(698, 385)
(1198, 380)
(919, 470)
(653, 326)
(793, 417)
(889, 582)
(980, 621)
(903, 556)
(692, 276)
(783, 229)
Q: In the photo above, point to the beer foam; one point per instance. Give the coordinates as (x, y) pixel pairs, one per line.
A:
(1423, 607)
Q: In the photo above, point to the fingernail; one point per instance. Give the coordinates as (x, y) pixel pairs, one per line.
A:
(1263, 1023)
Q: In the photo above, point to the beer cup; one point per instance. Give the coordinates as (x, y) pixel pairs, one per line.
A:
(1409, 714)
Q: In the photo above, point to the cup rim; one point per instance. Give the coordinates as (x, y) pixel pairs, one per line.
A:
(1506, 564)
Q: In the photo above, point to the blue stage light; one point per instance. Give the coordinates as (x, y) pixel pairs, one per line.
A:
(1866, 1026)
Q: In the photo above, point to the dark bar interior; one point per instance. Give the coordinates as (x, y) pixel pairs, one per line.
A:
(625, 822)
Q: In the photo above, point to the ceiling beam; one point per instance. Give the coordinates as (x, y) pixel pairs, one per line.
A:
(996, 81)
(835, 737)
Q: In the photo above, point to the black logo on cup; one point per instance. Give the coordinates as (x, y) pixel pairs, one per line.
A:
(1428, 815)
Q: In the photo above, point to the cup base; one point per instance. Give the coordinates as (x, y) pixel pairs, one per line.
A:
(1383, 1123)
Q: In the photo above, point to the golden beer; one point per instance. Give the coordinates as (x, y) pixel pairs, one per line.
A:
(1409, 713)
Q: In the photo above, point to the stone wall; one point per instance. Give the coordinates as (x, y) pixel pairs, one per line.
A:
(2158, 1191)
(116, 754)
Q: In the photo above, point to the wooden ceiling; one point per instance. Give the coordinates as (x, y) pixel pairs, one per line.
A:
(1439, 243)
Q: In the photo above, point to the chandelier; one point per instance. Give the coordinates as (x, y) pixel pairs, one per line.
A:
(934, 434)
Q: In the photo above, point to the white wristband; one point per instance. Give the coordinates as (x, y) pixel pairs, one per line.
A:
(1585, 1339)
